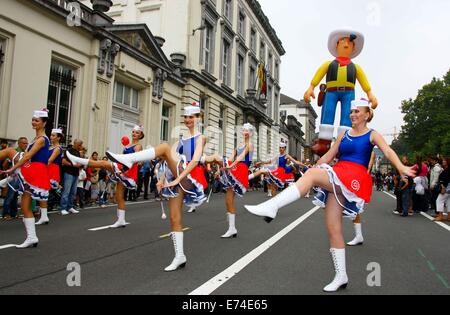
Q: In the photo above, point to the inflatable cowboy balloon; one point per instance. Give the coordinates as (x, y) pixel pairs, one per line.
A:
(341, 75)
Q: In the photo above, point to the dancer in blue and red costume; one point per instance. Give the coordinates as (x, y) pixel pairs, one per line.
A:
(234, 175)
(276, 179)
(184, 179)
(125, 178)
(54, 165)
(345, 188)
(30, 169)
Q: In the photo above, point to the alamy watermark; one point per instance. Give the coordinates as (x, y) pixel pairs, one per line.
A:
(74, 17)
(374, 14)
(374, 277)
(74, 277)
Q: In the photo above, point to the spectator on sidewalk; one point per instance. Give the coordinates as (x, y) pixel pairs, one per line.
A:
(70, 183)
(144, 179)
(443, 200)
(81, 188)
(421, 185)
(436, 171)
(406, 184)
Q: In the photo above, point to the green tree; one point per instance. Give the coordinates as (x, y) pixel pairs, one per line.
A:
(427, 120)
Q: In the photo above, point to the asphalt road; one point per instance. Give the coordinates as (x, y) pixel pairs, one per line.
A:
(411, 254)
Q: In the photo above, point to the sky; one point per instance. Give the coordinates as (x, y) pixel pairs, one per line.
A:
(407, 43)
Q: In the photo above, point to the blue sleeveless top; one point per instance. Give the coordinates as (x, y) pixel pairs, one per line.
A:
(289, 169)
(186, 147)
(43, 154)
(282, 161)
(129, 150)
(248, 158)
(356, 149)
(58, 159)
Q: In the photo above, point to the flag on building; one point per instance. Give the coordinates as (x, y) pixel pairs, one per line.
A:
(262, 78)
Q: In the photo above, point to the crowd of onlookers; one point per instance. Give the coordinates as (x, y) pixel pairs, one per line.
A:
(429, 190)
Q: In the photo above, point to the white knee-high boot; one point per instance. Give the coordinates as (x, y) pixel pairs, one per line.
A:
(44, 217)
(232, 232)
(180, 259)
(340, 280)
(32, 240)
(120, 223)
(129, 159)
(269, 209)
(358, 240)
(77, 160)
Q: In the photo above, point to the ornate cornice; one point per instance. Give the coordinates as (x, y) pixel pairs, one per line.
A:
(264, 20)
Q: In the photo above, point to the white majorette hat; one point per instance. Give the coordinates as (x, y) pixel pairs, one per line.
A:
(40, 114)
(282, 144)
(248, 126)
(360, 103)
(138, 128)
(192, 110)
(57, 131)
(358, 39)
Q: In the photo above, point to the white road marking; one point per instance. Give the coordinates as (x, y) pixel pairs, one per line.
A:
(103, 228)
(213, 284)
(445, 226)
(7, 246)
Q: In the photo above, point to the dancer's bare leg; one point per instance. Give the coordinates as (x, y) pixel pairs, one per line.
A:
(214, 159)
(314, 177)
(26, 206)
(229, 200)
(176, 206)
(333, 220)
(120, 196)
(106, 165)
(164, 151)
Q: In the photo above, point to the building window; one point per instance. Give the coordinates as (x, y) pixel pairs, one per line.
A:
(165, 123)
(262, 52)
(208, 47)
(60, 98)
(276, 108)
(277, 71)
(226, 62)
(126, 96)
(240, 75)
(269, 142)
(241, 24)
(253, 39)
(203, 110)
(2, 60)
(228, 10)
(222, 146)
(270, 62)
(269, 101)
(2, 51)
(236, 122)
(252, 77)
